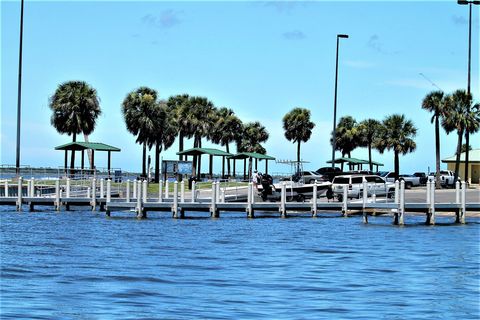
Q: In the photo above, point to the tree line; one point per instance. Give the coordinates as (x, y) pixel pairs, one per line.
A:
(157, 123)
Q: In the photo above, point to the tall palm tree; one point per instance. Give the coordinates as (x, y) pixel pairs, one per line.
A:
(201, 117)
(180, 106)
(253, 134)
(397, 133)
(140, 113)
(76, 107)
(433, 102)
(226, 129)
(298, 128)
(459, 118)
(346, 136)
(164, 132)
(367, 134)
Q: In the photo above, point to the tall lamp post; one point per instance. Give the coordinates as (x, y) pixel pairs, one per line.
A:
(467, 134)
(19, 99)
(335, 102)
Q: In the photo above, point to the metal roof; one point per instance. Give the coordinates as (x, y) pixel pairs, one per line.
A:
(473, 157)
(354, 161)
(200, 151)
(97, 146)
(245, 155)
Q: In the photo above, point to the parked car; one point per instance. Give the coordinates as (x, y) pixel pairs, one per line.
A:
(410, 179)
(423, 177)
(447, 178)
(375, 184)
(329, 172)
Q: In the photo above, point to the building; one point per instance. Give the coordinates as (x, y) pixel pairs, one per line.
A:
(473, 164)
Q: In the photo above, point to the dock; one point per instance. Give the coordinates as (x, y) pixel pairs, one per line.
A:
(133, 198)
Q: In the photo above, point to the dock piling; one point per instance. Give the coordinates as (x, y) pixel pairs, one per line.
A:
(135, 189)
(160, 188)
(364, 200)
(345, 202)
(145, 189)
(109, 190)
(166, 189)
(213, 206)
(57, 194)
(6, 189)
(175, 199)
(19, 196)
(127, 191)
(397, 192)
(431, 211)
(182, 191)
(314, 199)
(138, 208)
(283, 197)
(193, 191)
(457, 192)
(401, 208)
(32, 187)
(94, 194)
(67, 191)
(102, 188)
(463, 200)
(250, 213)
(428, 191)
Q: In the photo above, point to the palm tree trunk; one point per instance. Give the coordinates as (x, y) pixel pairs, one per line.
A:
(158, 149)
(228, 160)
(437, 152)
(370, 156)
(397, 165)
(298, 156)
(180, 145)
(144, 159)
(72, 160)
(459, 150)
(250, 169)
(199, 144)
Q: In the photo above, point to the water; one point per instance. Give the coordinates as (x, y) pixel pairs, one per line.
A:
(82, 265)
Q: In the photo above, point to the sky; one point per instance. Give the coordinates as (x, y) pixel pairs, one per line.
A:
(260, 59)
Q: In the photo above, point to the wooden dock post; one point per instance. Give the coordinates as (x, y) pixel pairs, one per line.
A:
(67, 191)
(345, 202)
(138, 208)
(175, 200)
(57, 194)
(182, 191)
(401, 208)
(364, 200)
(94, 194)
(89, 189)
(135, 189)
(193, 191)
(314, 199)
(127, 191)
(463, 201)
(432, 204)
(109, 190)
(428, 191)
(457, 201)
(397, 192)
(102, 188)
(6, 189)
(160, 188)
(145, 190)
(217, 191)
(19, 196)
(166, 189)
(283, 201)
(213, 206)
(250, 213)
(32, 187)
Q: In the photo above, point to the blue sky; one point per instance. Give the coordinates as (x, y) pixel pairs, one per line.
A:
(259, 58)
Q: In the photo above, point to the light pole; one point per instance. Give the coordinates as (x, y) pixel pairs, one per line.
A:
(19, 99)
(335, 102)
(467, 134)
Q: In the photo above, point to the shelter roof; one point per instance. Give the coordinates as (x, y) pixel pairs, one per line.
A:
(97, 146)
(200, 151)
(473, 157)
(246, 155)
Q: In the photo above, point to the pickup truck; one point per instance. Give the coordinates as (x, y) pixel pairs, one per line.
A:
(410, 180)
(447, 178)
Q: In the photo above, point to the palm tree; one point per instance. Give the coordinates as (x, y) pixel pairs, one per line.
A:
(367, 133)
(226, 128)
(140, 113)
(75, 107)
(298, 128)
(253, 133)
(397, 133)
(180, 107)
(458, 117)
(164, 133)
(433, 102)
(200, 117)
(346, 136)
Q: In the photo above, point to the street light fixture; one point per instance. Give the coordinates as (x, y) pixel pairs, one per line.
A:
(467, 134)
(344, 36)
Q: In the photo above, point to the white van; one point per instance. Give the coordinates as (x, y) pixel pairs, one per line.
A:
(375, 184)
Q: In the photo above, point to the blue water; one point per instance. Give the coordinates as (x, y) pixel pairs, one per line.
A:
(82, 265)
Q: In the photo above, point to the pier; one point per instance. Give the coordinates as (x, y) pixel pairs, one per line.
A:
(132, 196)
